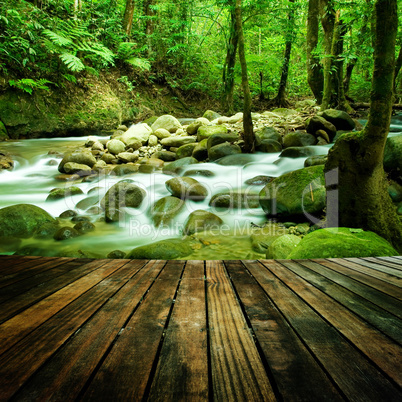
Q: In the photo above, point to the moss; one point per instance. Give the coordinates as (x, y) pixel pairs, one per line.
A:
(162, 250)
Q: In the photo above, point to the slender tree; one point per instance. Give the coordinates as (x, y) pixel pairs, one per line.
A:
(364, 201)
(248, 135)
(128, 17)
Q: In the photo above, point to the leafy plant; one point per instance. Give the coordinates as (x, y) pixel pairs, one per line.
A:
(127, 53)
(29, 85)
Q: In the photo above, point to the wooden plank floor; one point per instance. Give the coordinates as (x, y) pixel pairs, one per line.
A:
(131, 330)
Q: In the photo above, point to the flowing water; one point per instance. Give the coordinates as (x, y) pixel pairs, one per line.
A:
(33, 177)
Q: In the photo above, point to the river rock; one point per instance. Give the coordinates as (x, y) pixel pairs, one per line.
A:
(122, 170)
(340, 119)
(88, 202)
(186, 150)
(235, 160)
(269, 146)
(59, 193)
(211, 115)
(195, 125)
(121, 195)
(342, 243)
(259, 180)
(282, 246)
(77, 168)
(201, 220)
(176, 167)
(315, 160)
(395, 191)
(108, 158)
(166, 156)
(68, 214)
(65, 233)
(262, 238)
(115, 146)
(161, 133)
(186, 188)
(205, 132)
(167, 122)
(222, 150)
(268, 133)
(296, 152)
(298, 139)
(169, 249)
(140, 132)
(127, 157)
(135, 144)
(200, 151)
(199, 172)
(22, 220)
(393, 156)
(152, 140)
(165, 209)
(47, 230)
(235, 200)
(177, 141)
(84, 227)
(80, 156)
(116, 255)
(296, 193)
(319, 123)
(220, 138)
(6, 162)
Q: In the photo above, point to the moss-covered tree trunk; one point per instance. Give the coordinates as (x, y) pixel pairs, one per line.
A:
(398, 66)
(128, 17)
(358, 157)
(248, 134)
(228, 69)
(314, 68)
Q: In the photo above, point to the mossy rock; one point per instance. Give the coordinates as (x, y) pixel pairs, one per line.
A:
(316, 160)
(298, 139)
(176, 167)
(235, 200)
(186, 150)
(393, 155)
(201, 220)
(296, 152)
(165, 210)
(295, 194)
(222, 150)
(82, 157)
(204, 132)
(59, 193)
(281, 247)
(340, 119)
(220, 138)
(262, 238)
(122, 170)
(22, 220)
(169, 249)
(342, 243)
(211, 115)
(186, 188)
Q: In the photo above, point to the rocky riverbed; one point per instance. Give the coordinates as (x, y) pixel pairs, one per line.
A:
(171, 189)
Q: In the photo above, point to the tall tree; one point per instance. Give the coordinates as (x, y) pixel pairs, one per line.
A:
(364, 201)
(248, 133)
(128, 17)
(314, 68)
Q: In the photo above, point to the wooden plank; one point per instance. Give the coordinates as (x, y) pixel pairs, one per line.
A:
(330, 269)
(368, 268)
(182, 371)
(39, 279)
(396, 259)
(385, 266)
(377, 347)
(297, 374)
(65, 374)
(15, 305)
(237, 369)
(358, 379)
(125, 372)
(345, 268)
(16, 328)
(377, 317)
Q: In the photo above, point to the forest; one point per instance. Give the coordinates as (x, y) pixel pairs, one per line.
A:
(324, 71)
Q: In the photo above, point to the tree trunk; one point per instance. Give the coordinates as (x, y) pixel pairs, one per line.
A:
(348, 75)
(358, 157)
(314, 67)
(128, 17)
(398, 66)
(228, 69)
(248, 135)
(149, 27)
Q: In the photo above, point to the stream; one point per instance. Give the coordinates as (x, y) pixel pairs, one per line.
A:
(33, 177)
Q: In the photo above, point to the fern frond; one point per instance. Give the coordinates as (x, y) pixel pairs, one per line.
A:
(57, 39)
(72, 62)
(142, 64)
(126, 50)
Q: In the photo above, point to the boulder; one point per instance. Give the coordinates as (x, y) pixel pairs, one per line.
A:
(116, 255)
(295, 194)
(259, 180)
(200, 151)
(122, 170)
(115, 146)
(161, 133)
(140, 132)
(393, 156)
(342, 243)
(177, 166)
(80, 156)
(84, 227)
(169, 249)
(268, 133)
(6, 161)
(186, 188)
(77, 168)
(211, 115)
(121, 195)
(186, 150)
(167, 122)
(262, 238)
(319, 123)
(165, 209)
(340, 119)
(88, 202)
(316, 160)
(177, 141)
(204, 132)
(109, 158)
(127, 157)
(269, 146)
(195, 125)
(298, 139)
(47, 230)
(166, 156)
(22, 220)
(59, 193)
(235, 160)
(222, 150)
(135, 144)
(282, 246)
(220, 138)
(152, 141)
(296, 152)
(201, 220)
(235, 200)
(199, 172)
(65, 233)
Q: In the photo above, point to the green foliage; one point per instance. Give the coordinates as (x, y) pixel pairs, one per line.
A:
(29, 85)
(127, 53)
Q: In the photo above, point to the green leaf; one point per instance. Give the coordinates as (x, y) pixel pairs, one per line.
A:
(72, 62)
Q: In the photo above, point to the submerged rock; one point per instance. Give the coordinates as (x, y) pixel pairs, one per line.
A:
(342, 243)
(176, 167)
(169, 249)
(59, 193)
(121, 170)
(77, 168)
(201, 220)
(222, 150)
(259, 180)
(282, 246)
(235, 200)
(316, 160)
(66, 233)
(186, 188)
(116, 254)
(165, 209)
